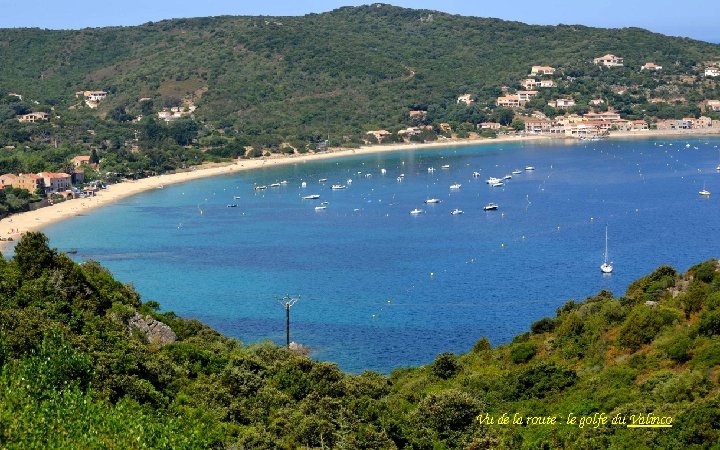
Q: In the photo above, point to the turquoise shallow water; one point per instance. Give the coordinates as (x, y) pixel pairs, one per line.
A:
(381, 288)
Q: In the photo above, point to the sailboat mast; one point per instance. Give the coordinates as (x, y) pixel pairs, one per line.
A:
(606, 245)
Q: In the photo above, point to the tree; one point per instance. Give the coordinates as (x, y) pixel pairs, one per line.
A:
(33, 255)
(517, 125)
(503, 116)
(119, 114)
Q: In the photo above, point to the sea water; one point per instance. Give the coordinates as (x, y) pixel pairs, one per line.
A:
(380, 288)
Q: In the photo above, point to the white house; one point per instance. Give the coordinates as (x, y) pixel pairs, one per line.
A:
(609, 60)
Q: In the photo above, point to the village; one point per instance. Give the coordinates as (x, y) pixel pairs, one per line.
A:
(597, 123)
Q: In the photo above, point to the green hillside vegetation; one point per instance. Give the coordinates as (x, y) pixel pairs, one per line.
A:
(269, 81)
(75, 375)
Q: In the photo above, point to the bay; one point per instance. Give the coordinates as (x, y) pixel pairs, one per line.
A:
(380, 288)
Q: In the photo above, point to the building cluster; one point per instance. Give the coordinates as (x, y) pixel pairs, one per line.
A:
(176, 112)
(52, 183)
(688, 123)
(588, 125)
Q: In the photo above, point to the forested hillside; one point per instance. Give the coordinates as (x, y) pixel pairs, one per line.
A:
(79, 370)
(337, 73)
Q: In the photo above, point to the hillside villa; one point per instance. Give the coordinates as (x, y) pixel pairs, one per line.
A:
(530, 83)
(609, 60)
(467, 99)
(712, 72)
(712, 105)
(508, 101)
(542, 70)
(379, 134)
(92, 98)
(34, 117)
(562, 103)
(650, 66)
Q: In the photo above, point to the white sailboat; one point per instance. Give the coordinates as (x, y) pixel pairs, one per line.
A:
(606, 267)
(704, 192)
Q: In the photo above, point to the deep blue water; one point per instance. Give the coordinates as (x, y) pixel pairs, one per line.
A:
(382, 289)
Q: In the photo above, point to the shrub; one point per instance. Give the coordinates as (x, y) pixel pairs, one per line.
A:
(523, 353)
(483, 344)
(650, 286)
(544, 325)
(704, 271)
(542, 380)
(709, 324)
(449, 410)
(445, 366)
(643, 324)
(679, 348)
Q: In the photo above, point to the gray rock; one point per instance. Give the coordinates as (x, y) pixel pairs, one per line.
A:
(155, 332)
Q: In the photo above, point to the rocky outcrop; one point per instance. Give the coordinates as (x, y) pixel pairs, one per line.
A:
(155, 332)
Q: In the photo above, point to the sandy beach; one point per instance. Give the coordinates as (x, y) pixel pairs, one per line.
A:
(17, 224)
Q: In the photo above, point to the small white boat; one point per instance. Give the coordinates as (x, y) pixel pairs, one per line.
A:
(311, 197)
(236, 197)
(337, 187)
(399, 178)
(323, 203)
(492, 180)
(507, 177)
(322, 180)
(232, 205)
(476, 174)
(284, 182)
(432, 200)
(368, 175)
(349, 181)
(275, 185)
(402, 175)
(718, 168)
(516, 172)
(320, 208)
(529, 168)
(455, 186)
(490, 207)
(260, 188)
(496, 184)
(303, 184)
(456, 211)
(445, 166)
(704, 192)
(431, 169)
(606, 267)
(383, 171)
(416, 211)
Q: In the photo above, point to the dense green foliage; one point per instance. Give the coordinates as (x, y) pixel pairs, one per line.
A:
(14, 200)
(269, 81)
(74, 375)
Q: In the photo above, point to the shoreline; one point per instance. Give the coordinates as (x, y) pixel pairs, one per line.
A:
(17, 224)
